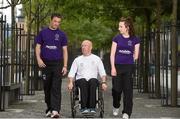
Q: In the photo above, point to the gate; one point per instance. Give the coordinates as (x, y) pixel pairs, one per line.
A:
(165, 65)
(16, 76)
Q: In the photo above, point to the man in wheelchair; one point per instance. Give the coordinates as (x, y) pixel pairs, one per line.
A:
(84, 71)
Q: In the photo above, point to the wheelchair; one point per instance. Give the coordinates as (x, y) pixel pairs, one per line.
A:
(75, 95)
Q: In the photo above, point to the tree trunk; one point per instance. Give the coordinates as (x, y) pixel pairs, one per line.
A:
(27, 77)
(174, 55)
(12, 40)
(146, 61)
(36, 70)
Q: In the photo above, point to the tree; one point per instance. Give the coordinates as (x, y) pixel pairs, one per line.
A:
(174, 55)
(13, 4)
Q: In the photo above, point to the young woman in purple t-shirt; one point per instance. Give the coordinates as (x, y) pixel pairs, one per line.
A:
(124, 51)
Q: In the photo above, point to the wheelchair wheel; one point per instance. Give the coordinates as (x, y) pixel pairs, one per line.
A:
(73, 110)
(101, 103)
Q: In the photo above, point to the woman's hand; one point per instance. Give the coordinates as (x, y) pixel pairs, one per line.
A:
(113, 72)
(64, 71)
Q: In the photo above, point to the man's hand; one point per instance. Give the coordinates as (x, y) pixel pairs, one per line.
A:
(41, 63)
(104, 86)
(70, 86)
(64, 71)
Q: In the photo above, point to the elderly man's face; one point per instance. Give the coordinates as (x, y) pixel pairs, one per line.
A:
(86, 47)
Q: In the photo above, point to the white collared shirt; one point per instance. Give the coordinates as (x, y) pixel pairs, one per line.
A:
(87, 67)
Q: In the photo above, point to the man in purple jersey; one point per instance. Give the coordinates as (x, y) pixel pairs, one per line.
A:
(52, 58)
(124, 51)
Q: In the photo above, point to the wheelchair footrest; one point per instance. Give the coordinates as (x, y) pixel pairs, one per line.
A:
(89, 114)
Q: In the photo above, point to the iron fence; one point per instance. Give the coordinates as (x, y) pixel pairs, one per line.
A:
(165, 65)
(17, 72)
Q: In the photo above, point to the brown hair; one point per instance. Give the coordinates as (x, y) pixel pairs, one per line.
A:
(128, 24)
(56, 15)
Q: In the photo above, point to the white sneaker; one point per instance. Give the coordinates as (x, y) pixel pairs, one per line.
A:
(93, 111)
(125, 116)
(48, 114)
(115, 111)
(55, 114)
(83, 111)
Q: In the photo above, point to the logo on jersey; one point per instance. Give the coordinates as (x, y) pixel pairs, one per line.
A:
(81, 64)
(127, 52)
(56, 37)
(129, 43)
(51, 47)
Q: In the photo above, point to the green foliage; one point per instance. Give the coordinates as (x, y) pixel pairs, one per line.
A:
(83, 28)
(97, 20)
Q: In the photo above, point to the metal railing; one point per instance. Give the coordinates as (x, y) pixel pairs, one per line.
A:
(165, 66)
(13, 72)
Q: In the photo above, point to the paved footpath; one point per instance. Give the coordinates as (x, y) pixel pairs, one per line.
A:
(34, 106)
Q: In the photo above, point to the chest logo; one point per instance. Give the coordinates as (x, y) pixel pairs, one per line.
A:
(81, 64)
(56, 37)
(129, 43)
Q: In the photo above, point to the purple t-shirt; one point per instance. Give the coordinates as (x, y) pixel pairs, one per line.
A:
(51, 42)
(125, 49)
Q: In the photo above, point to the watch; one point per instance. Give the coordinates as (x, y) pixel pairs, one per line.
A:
(104, 82)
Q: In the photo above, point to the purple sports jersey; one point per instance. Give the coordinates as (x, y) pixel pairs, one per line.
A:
(125, 49)
(51, 42)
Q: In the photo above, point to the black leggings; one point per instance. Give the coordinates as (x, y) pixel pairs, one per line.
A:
(123, 83)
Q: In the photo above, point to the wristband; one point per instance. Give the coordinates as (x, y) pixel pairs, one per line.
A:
(104, 82)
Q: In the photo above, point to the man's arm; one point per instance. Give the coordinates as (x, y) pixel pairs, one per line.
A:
(104, 83)
(38, 57)
(65, 56)
(71, 75)
(65, 60)
(102, 73)
(103, 78)
(70, 84)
